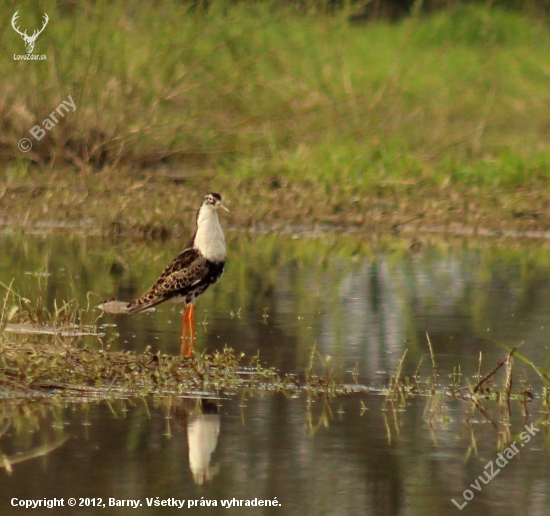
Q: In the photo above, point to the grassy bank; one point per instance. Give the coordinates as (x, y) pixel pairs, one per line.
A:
(148, 205)
(296, 117)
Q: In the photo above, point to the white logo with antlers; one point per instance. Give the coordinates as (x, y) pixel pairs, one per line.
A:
(29, 40)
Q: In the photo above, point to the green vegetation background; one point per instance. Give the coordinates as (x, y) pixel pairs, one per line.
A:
(300, 105)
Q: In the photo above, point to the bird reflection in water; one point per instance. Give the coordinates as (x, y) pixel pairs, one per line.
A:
(202, 421)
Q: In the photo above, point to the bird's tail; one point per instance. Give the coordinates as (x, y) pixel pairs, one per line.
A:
(112, 306)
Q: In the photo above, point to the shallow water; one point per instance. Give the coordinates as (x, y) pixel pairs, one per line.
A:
(363, 302)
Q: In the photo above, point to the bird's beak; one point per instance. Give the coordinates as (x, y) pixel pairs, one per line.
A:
(224, 207)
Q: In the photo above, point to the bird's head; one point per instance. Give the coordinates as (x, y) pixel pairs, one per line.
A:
(213, 201)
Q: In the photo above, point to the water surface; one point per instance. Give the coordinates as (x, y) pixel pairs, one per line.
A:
(362, 301)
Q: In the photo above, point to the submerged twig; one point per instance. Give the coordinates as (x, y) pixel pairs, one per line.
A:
(494, 371)
(434, 367)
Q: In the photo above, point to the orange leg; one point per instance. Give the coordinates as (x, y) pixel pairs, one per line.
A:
(188, 324)
(184, 331)
(192, 329)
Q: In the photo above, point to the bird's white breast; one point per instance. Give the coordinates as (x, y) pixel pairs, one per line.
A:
(209, 239)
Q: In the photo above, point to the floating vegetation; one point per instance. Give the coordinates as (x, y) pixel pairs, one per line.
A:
(42, 363)
(40, 375)
(41, 366)
(489, 399)
(28, 367)
(42, 355)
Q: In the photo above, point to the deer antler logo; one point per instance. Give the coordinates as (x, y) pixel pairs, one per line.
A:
(29, 40)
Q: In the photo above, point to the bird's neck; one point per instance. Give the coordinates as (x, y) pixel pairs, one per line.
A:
(209, 239)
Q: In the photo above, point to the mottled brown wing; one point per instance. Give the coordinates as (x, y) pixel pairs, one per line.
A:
(178, 279)
(181, 262)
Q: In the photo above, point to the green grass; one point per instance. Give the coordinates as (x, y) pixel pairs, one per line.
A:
(252, 98)
(278, 90)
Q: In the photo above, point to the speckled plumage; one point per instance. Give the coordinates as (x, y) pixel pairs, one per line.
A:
(199, 266)
(187, 277)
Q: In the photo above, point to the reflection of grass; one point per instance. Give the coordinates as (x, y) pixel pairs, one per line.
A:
(486, 396)
(296, 117)
(20, 419)
(7, 462)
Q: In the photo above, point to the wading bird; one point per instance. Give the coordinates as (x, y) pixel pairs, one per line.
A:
(199, 266)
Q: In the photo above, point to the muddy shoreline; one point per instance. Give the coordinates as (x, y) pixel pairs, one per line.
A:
(150, 206)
